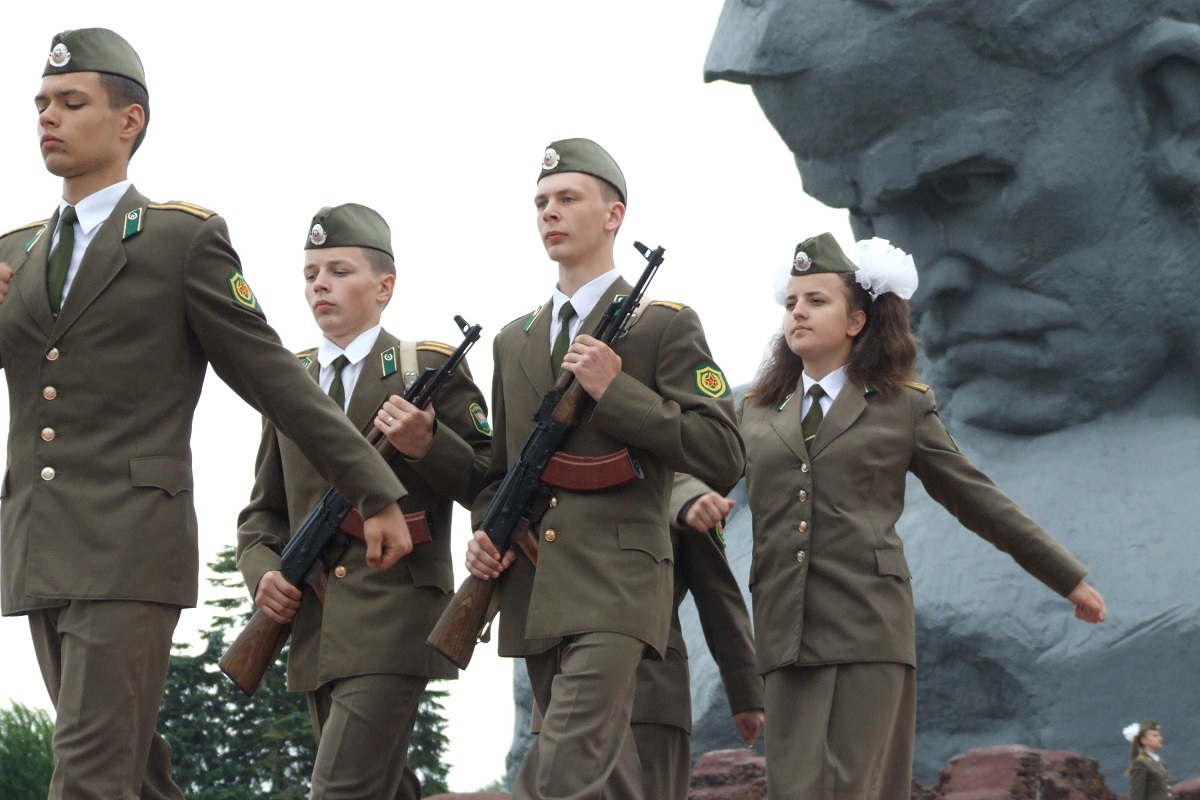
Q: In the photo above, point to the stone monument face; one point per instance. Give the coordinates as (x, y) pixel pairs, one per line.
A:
(1041, 161)
(1033, 165)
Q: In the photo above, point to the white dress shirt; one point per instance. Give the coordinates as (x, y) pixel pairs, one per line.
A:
(357, 352)
(583, 301)
(92, 211)
(831, 383)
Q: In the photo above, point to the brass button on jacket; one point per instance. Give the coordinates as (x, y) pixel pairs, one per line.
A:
(551, 535)
(801, 556)
(47, 473)
(803, 495)
(802, 527)
(339, 571)
(49, 393)
(47, 434)
(52, 355)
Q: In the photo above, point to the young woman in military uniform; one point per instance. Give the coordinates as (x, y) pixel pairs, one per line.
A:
(832, 426)
(1148, 778)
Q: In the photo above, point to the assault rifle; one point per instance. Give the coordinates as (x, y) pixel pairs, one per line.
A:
(522, 498)
(322, 538)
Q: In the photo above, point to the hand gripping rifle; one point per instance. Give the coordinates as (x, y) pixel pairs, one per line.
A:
(522, 498)
(322, 538)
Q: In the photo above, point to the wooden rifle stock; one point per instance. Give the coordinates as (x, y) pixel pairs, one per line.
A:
(254, 651)
(462, 622)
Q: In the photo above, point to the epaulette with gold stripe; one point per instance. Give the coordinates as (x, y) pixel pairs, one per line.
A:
(436, 347)
(920, 387)
(26, 227)
(668, 304)
(180, 205)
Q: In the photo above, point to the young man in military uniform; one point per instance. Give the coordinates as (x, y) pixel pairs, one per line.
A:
(112, 311)
(662, 707)
(600, 595)
(361, 655)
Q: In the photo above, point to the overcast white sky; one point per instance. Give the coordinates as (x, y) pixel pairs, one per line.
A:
(436, 114)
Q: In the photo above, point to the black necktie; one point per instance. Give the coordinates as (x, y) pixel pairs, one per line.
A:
(812, 420)
(337, 389)
(563, 341)
(60, 259)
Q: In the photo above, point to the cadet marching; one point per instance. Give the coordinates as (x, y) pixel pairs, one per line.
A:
(98, 530)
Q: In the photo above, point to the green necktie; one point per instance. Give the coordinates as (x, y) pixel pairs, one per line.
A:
(337, 389)
(812, 420)
(563, 342)
(60, 259)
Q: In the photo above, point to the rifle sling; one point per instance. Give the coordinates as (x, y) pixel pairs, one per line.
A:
(591, 473)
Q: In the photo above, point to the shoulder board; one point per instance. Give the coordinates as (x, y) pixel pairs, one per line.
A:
(668, 304)
(920, 387)
(437, 347)
(179, 205)
(306, 358)
(26, 227)
(751, 393)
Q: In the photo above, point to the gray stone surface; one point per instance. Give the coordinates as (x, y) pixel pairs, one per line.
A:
(1041, 160)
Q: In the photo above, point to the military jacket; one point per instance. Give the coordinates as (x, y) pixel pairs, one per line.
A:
(604, 559)
(1148, 779)
(664, 687)
(97, 495)
(371, 622)
(828, 579)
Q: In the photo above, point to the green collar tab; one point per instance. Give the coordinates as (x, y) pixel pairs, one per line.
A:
(133, 224)
(388, 359)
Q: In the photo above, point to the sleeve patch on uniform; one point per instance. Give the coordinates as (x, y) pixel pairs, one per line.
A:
(388, 359)
(710, 381)
(479, 419)
(718, 533)
(241, 291)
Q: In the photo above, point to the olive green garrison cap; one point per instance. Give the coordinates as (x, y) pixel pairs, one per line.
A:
(820, 254)
(94, 50)
(349, 225)
(583, 155)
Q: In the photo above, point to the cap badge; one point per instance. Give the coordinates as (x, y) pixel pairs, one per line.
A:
(550, 159)
(802, 262)
(60, 55)
(318, 235)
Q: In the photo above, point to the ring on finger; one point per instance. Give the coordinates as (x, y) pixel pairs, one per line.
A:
(389, 420)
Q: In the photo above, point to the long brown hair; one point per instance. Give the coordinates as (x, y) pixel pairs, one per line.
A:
(882, 356)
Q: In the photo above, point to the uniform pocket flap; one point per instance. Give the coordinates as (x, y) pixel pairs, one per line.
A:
(431, 572)
(654, 540)
(892, 562)
(169, 474)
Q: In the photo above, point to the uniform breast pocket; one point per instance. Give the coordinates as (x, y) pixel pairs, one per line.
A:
(650, 539)
(169, 474)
